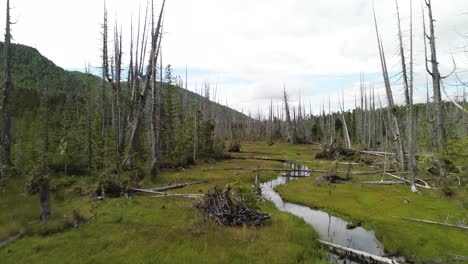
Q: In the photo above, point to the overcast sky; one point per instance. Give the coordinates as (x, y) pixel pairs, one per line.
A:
(249, 48)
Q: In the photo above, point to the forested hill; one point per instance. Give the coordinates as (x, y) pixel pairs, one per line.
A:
(32, 72)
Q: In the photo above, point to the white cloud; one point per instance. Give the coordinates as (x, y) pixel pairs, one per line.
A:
(260, 43)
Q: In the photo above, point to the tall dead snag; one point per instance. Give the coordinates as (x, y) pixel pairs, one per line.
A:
(144, 91)
(436, 80)
(411, 143)
(408, 83)
(103, 106)
(345, 126)
(154, 112)
(391, 105)
(292, 136)
(89, 122)
(7, 87)
(114, 79)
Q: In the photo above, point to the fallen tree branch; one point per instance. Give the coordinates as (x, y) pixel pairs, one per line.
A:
(175, 186)
(431, 222)
(426, 186)
(262, 158)
(306, 171)
(382, 182)
(458, 259)
(10, 240)
(190, 196)
(359, 255)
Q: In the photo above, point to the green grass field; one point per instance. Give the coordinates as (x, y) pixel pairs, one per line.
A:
(147, 229)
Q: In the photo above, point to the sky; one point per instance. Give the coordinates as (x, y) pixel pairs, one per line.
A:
(250, 49)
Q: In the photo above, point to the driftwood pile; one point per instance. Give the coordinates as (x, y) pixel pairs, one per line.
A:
(226, 209)
(332, 152)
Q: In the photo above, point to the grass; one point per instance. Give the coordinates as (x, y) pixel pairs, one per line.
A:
(170, 230)
(146, 229)
(375, 206)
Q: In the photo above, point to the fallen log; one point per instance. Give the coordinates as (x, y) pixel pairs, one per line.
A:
(431, 222)
(307, 171)
(175, 186)
(452, 260)
(359, 255)
(426, 185)
(190, 196)
(375, 153)
(261, 158)
(10, 240)
(382, 182)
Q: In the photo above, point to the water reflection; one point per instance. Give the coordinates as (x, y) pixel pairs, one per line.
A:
(329, 228)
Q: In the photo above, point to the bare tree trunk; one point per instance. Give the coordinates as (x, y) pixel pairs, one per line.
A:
(6, 128)
(391, 105)
(346, 133)
(411, 143)
(147, 84)
(89, 123)
(154, 114)
(408, 86)
(291, 131)
(436, 79)
(44, 199)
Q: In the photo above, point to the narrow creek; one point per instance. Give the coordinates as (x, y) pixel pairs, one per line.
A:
(329, 228)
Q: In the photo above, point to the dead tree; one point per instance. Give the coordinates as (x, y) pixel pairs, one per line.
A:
(7, 87)
(155, 131)
(138, 115)
(436, 81)
(345, 126)
(391, 105)
(408, 83)
(292, 136)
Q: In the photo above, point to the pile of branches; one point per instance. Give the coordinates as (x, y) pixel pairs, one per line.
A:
(226, 209)
(333, 152)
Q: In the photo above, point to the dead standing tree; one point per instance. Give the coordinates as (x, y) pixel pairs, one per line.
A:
(7, 87)
(391, 105)
(138, 114)
(436, 81)
(292, 136)
(408, 87)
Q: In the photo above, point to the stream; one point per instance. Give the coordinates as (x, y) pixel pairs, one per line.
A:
(329, 228)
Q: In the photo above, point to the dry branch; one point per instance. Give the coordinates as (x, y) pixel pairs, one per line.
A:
(431, 222)
(226, 209)
(256, 158)
(10, 240)
(307, 171)
(382, 182)
(190, 196)
(175, 186)
(359, 255)
(426, 185)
